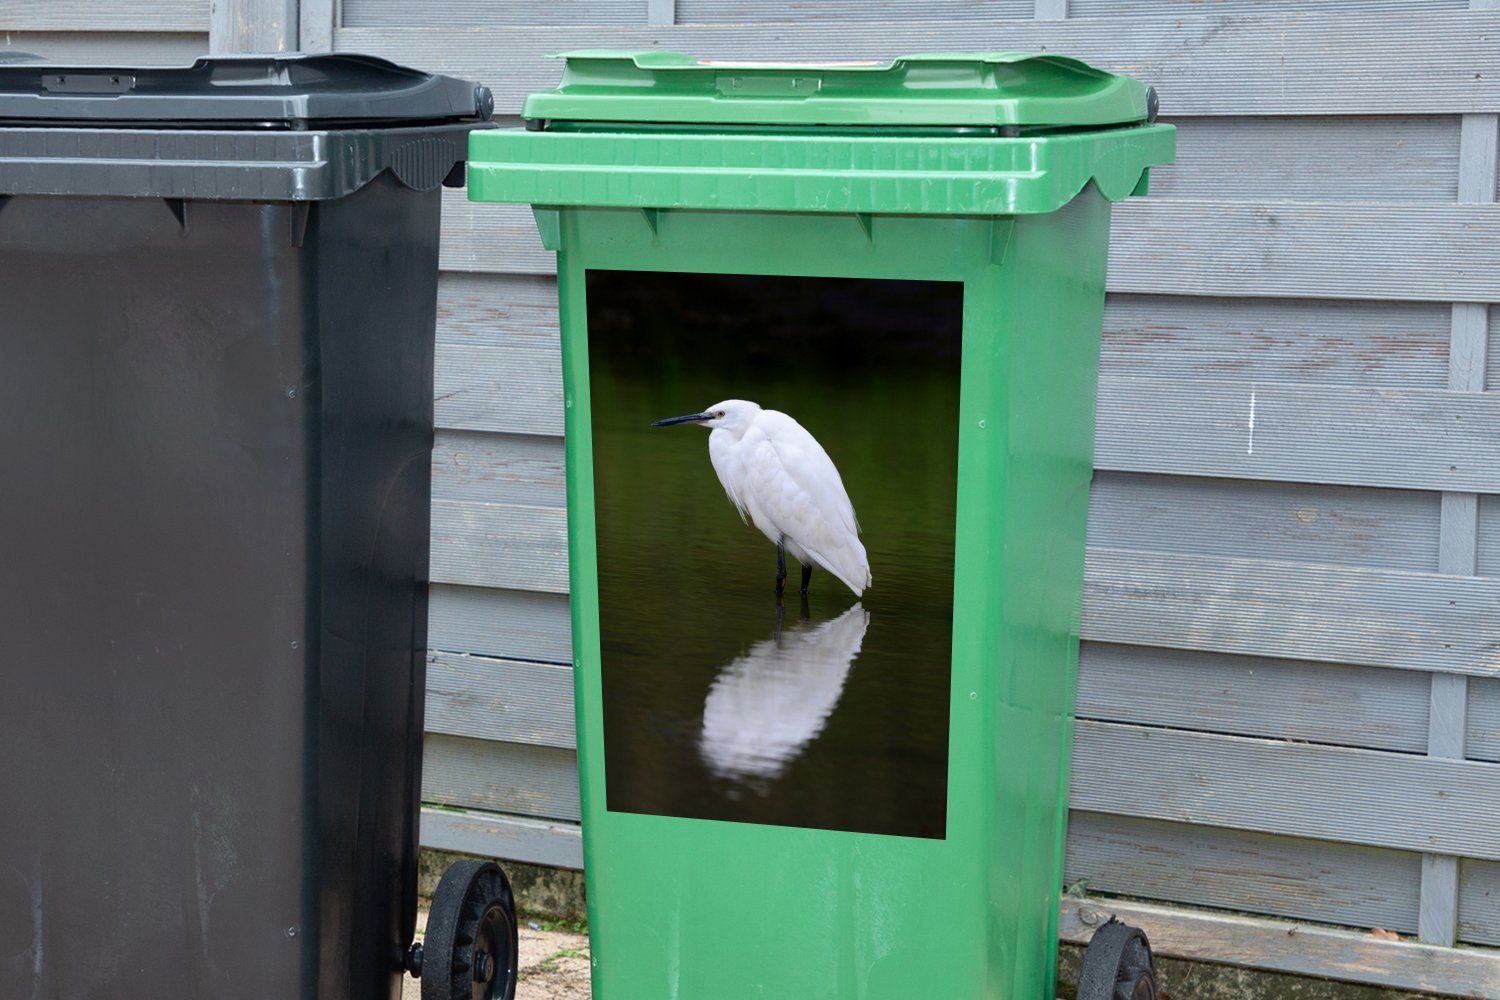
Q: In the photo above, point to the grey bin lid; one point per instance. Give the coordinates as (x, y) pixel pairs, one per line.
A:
(255, 128)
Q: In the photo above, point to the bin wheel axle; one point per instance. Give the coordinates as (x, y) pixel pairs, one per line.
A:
(471, 948)
(1117, 965)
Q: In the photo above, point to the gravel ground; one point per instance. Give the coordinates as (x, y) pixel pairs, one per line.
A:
(554, 965)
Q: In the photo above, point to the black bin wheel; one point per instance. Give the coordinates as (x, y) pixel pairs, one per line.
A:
(1117, 965)
(470, 951)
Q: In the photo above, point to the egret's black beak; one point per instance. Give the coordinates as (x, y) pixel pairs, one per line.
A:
(691, 418)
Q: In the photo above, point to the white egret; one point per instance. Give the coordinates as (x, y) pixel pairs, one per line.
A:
(783, 482)
(766, 706)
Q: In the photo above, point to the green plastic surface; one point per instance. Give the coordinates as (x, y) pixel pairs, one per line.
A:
(813, 172)
(696, 908)
(979, 88)
(688, 181)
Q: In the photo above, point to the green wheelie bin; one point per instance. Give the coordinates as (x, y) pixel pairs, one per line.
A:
(825, 665)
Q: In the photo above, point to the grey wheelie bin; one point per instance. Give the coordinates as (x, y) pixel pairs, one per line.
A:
(217, 306)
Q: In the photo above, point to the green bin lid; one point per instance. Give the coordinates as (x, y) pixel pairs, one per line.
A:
(985, 134)
(937, 89)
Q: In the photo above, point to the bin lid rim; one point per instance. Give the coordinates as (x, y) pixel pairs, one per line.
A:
(932, 88)
(237, 91)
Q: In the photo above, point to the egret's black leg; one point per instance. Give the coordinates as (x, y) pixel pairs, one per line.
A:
(780, 569)
(806, 576)
(780, 615)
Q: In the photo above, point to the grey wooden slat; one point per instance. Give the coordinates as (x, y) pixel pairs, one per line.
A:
(515, 389)
(1252, 872)
(91, 16)
(1255, 607)
(1488, 545)
(1336, 614)
(498, 468)
(100, 48)
(511, 778)
(1482, 740)
(1313, 158)
(509, 838)
(1050, 10)
(1458, 534)
(253, 25)
(661, 11)
(1156, 8)
(498, 355)
(847, 11)
(1492, 365)
(1254, 696)
(490, 237)
(1186, 246)
(1288, 946)
(508, 701)
(483, 13)
(1315, 64)
(1343, 525)
(1404, 438)
(508, 623)
(1479, 903)
(499, 310)
(1355, 250)
(1297, 789)
(316, 20)
(509, 546)
(1392, 529)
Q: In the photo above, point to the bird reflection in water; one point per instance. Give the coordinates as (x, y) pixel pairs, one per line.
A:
(767, 705)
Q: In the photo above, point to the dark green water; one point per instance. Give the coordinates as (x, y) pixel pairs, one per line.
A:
(718, 704)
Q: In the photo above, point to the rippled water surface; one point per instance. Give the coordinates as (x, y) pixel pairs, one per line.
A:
(717, 703)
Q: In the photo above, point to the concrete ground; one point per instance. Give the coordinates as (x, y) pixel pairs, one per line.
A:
(554, 964)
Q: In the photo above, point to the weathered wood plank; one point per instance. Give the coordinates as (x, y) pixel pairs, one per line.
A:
(1253, 872)
(1479, 903)
(509, 546)
(1487, 555)
(1402, 438)
(1254, 696)
(1314, 159)
(478, 13)
(253, 26)
(491, 238)
(1297, 789)
(1386, 344)
(1255, 607)
(1286, 946)
(1296, 65)
(1435, 252)
(506, 623)
(1329, 342)
(1482, 737)
(514, 778)
(1335, 614)
(112, 48)
(515, 389)
(508, 701)
(760, 11)
(1348, 526)
(316, 20)
(1356, 250)
(1392, 529)
(1157, 8)
(498, 468)
(509, 838)
(136, 16)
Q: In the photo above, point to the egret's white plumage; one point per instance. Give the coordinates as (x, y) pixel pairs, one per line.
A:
(784, 483)
(766, 706)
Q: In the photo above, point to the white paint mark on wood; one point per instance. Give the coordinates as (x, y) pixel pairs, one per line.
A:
(1250, 444)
